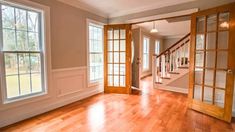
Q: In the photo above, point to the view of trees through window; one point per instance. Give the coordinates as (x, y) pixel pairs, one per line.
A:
(95, 52)
(22, 51)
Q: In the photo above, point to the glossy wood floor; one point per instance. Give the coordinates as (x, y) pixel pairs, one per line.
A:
(153, 110)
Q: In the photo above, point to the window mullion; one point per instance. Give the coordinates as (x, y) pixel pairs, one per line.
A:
(18, 69)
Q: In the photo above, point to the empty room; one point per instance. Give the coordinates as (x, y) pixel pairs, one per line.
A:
(117, 65)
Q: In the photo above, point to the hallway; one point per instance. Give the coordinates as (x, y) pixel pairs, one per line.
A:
(153, 110)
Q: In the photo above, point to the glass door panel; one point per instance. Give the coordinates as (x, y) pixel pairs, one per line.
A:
(212, 69)
(117, 52)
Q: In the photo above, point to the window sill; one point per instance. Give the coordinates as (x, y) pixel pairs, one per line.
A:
(23, 98)
(95, 83)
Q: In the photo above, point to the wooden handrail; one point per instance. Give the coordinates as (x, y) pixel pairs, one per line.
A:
(173, 45)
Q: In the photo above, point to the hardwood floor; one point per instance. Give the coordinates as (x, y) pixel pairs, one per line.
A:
(153, 110)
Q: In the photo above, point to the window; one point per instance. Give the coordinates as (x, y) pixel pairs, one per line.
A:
(22, 56)
(146, 53)
(157, 47)
(95, 52)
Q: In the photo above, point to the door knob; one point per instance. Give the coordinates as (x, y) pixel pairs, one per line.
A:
(229, 71)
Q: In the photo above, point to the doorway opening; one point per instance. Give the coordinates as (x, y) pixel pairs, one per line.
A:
(161, 52)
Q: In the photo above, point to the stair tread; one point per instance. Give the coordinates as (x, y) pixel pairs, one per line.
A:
(174, 72)
(183, 67)
(165, 77)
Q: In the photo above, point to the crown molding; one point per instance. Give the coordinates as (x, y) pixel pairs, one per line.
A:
(165, 15)
(80, 5)
(153, 6)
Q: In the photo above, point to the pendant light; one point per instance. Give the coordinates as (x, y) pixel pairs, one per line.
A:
(154, 29)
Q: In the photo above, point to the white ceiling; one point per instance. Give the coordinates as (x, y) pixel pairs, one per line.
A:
(114, 8)
(165, 29)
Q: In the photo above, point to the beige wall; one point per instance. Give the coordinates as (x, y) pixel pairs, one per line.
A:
(68, 34)
(152, 49)
(167, 42)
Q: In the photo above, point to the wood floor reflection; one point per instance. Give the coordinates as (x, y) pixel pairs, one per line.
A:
(152, 110)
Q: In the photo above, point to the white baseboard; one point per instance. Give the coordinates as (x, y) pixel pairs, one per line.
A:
(174, 89)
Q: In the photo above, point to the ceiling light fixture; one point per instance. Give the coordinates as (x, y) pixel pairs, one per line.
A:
(154, 29)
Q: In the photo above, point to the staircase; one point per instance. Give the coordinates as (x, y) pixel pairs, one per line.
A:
(171, 67)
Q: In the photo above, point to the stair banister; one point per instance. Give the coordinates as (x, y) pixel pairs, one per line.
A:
(171, 59)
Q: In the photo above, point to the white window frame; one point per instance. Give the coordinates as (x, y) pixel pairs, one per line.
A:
(45, 52)
(100, 81)
(148, 48)
(157, 47)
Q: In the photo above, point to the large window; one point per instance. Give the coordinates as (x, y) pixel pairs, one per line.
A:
(157, 47)
(22, 62)
(145, 53)
(95, 52)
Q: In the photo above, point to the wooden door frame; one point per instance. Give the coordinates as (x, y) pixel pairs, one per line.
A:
(226, 112)
(122, 90)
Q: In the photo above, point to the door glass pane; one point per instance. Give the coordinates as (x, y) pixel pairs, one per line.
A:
(219, 97)
(199, 58)
(122, 69)
(223, 40)
(122, 81)
(122, 34)
(208, 94)
(116, 34)
(223, 21)
(211, 22)
(110, 45)
(200, 42)
(123, 45)
(210, 40)
(198, 76)
(222, 59)
(116, 45)
(116, 80)
(110, 57)
(110, 69)
(110, 80)
(12, 84)
(210, 59)
(122, 57)
(209, 77)
(220, 79)
(200, 24)
(116, 69)
(197, 92)
(25, 84)
(116, 57)
(110, 34)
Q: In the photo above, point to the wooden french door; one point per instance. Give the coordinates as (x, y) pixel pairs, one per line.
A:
(213, 61)
(117, 60)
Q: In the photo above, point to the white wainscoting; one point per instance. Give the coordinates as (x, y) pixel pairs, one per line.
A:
(67, 86)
